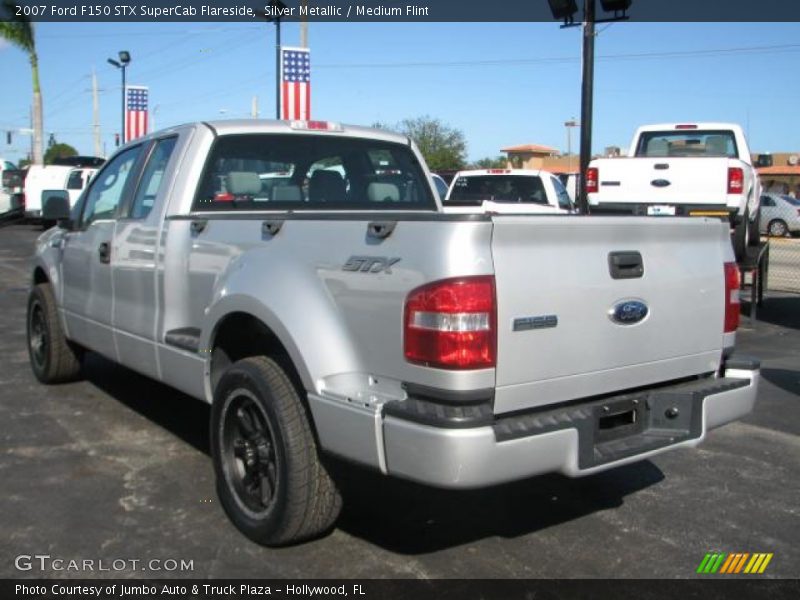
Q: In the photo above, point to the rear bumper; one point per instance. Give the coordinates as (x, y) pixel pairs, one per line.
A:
(568, 440)
(681, 210)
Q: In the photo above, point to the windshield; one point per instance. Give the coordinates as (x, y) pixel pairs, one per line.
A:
(474, 189)
(687, 143)
(295, 172)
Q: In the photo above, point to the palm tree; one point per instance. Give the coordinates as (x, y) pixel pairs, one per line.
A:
(18, 31)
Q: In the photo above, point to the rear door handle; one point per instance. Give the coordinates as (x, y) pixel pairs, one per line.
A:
(104, 252)
(625, 264)
(380, 230)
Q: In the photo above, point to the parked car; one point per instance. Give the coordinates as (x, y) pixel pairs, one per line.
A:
(353, 318)
(507, 191)
(780, 215)
(683, 169)
(42, 178)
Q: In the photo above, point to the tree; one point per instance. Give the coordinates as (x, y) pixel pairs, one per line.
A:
(443, 147)
(18, 31)
(500, 162)
(58, 151)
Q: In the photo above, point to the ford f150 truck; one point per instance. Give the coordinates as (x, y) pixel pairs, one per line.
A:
(701, 169)
(323, 304)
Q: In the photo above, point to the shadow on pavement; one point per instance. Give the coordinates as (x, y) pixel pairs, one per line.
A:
(786, 379)
(783, 311)
(400, 516)
(180, 414)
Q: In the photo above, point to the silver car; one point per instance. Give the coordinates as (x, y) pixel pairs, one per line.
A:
(780, 215)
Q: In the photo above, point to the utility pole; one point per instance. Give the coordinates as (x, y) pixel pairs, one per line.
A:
(587, 100)
(254, 108)
(98, 148)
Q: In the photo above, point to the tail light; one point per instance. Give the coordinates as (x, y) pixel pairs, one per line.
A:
(735, 180)
(592, 179)
(452, 324)
(731, 297)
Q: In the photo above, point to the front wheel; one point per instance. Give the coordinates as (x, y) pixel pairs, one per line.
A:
(270, 479)
(53, 358)
(777, 228)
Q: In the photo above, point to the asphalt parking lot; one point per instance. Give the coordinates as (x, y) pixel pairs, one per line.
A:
(117, 467)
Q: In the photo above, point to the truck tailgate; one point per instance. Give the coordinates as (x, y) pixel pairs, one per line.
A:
(557, 340)
(664, 180)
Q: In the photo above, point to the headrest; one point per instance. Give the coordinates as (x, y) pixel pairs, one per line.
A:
(383, 192)
(243, 183)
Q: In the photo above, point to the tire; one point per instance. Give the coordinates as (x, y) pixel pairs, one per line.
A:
(741, 237)
(777, 228)
(755, 230)
(53, 358)
(270, 480)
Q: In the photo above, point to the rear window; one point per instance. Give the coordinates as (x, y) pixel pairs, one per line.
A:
(687, 143)
(792, 201)
(296, 172)
(474, 189)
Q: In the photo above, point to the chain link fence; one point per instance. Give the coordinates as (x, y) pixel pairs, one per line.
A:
(784, 264)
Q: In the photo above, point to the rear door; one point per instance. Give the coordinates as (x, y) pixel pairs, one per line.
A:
(560, 281)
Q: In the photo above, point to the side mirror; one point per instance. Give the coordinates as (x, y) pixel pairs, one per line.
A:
(55, 207)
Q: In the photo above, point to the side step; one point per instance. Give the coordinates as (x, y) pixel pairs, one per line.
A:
(185, 338)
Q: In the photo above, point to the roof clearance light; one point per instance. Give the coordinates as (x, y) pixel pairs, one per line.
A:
(316, 125)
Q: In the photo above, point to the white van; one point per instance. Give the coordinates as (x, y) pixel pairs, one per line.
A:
(54, 177)
(7, 203)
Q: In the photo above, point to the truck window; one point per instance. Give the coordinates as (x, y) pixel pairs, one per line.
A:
(306, 172)
(564, 201)
(108, 186)
(75, 181)
(687, 143)
(474, 189)
(151, 178)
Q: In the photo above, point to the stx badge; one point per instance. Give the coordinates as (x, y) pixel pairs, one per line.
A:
(370, 264)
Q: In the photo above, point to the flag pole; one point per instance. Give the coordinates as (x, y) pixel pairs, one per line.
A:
(277, 68)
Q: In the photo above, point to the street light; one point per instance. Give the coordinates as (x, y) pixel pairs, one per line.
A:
(570, 125)
(566, 9)
(276, 12)
(121, 64)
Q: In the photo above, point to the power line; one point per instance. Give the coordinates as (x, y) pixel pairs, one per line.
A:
(565, 59)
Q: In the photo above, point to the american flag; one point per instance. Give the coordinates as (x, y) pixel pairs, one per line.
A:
(296, 84)
(135, 112)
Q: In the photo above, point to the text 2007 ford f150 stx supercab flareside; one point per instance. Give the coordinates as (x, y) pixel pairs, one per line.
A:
(302, 279)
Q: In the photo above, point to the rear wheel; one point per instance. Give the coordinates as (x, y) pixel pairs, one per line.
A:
(741, 236)
(270, 479)
(755, 229)
(777, 228)
(53, 358)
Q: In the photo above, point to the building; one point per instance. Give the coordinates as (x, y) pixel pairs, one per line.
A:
(535, 156)
(779, 172)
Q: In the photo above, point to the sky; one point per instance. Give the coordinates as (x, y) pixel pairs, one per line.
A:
(501, 84)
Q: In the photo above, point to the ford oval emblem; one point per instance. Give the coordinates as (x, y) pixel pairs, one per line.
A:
(629, 312)
(660, 183)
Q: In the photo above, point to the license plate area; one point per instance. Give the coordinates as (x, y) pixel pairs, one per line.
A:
(661, 210)
(618, 419)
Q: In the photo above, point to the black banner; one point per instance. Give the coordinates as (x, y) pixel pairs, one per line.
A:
(386, 10)
(228, 589)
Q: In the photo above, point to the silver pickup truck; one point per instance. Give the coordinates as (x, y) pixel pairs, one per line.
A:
(302, 278)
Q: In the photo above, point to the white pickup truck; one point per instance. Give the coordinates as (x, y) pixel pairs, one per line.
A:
(685, 169)
(507, 191)
(337, 310)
